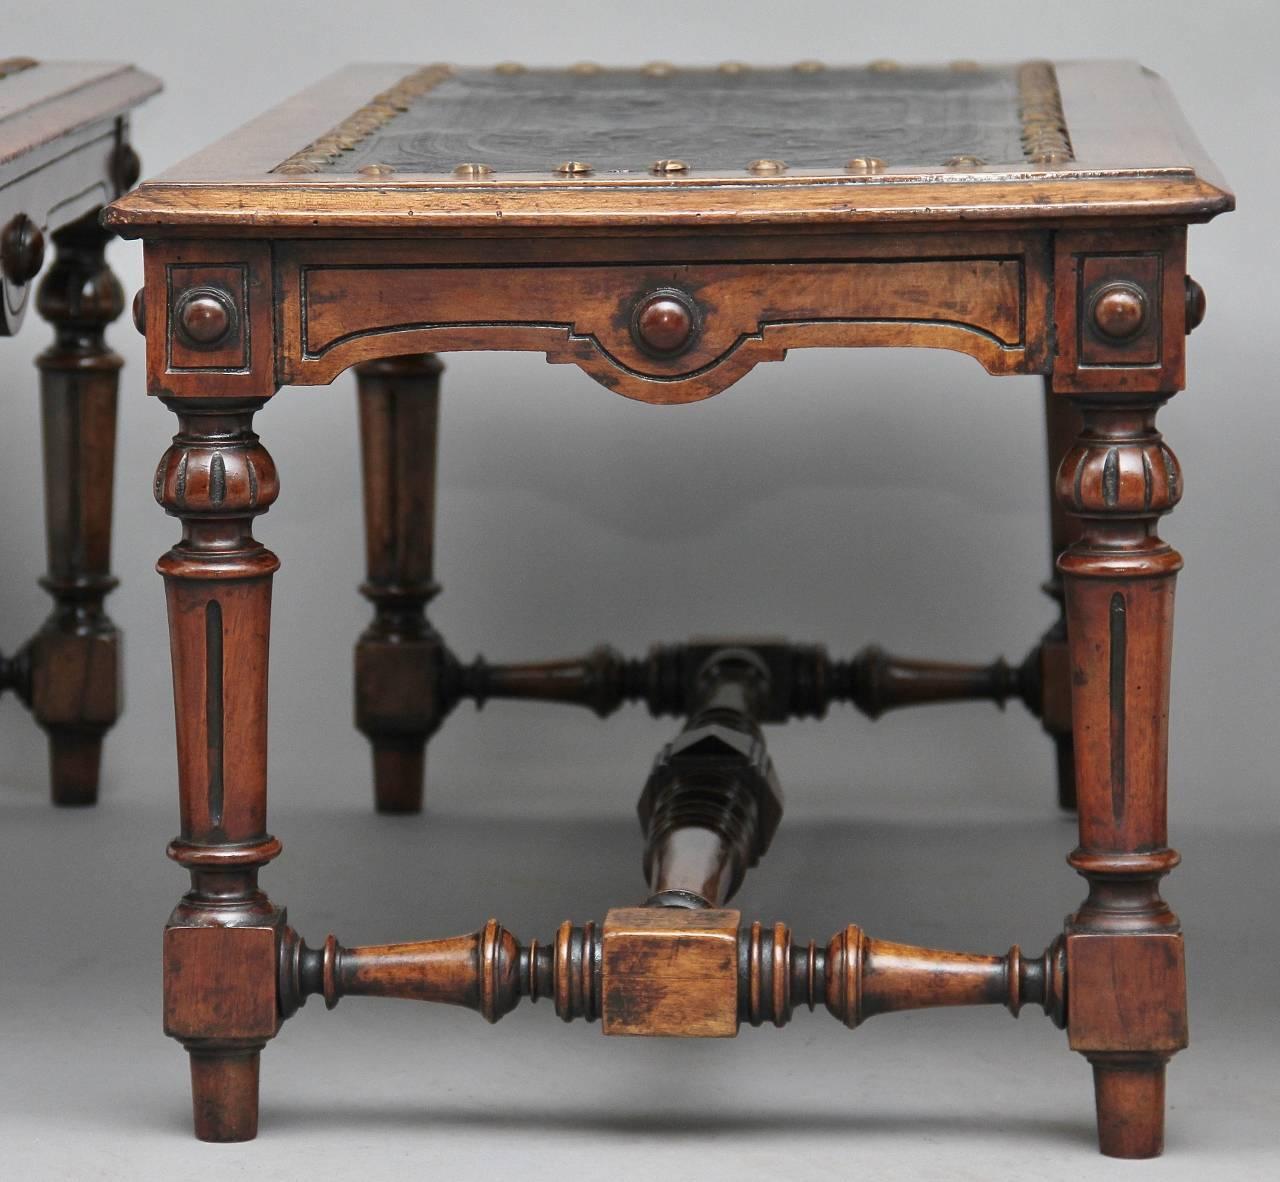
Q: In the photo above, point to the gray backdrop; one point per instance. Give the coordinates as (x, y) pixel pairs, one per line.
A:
(842, 497)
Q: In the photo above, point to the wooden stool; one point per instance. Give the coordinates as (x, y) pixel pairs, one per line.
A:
(666, 230)
(64, 153)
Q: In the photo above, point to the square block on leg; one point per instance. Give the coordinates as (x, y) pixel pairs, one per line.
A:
(670, 971)
(1126, 993)
(220, 983)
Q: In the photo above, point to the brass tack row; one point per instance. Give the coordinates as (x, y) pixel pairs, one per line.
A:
(862, 165)
(376, 113)
(1044, 126)
(857, 165)
(661, 69)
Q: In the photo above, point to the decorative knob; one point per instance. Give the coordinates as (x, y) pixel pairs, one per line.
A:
(1119, 311)
(205, 317)
(663, 323)
(125, 167)
(140, 311)
(21, 250)
(1195, 304)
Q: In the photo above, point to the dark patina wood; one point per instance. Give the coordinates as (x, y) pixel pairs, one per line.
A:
(674, 972)
(400, 658)
(64, 152)
(666, 230)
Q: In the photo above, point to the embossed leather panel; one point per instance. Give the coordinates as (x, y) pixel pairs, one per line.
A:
(621, 121)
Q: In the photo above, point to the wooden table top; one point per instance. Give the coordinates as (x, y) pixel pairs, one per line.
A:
(381, 148)
(64, 153)
(42, 103)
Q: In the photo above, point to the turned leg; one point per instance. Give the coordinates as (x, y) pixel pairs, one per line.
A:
(1062, 426)
(221, 941)
(75, 657)
(400, 657)
(1126, 1002)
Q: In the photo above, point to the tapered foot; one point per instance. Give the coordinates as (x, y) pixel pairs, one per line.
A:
(74, 765)
(399, 771)
(224, 1095)
(1130, 1097)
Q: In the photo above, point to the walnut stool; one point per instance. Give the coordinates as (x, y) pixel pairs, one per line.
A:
(64, 153)
(666, 230)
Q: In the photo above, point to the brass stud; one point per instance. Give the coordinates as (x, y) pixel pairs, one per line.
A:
(659, 69)
(662, 167)
(733, 67)
(509, 68)
(809, 66)
(375, 170)
(1051, 156)
(883, 65)
(865, 165)
(966, 162)
(767, 167)
(586, 69)
(574, 168)
(472, 171)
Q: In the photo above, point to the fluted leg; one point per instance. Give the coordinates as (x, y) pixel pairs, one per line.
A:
(75, 657)
(399, 658)
(221, 940)
(1126, 1004)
